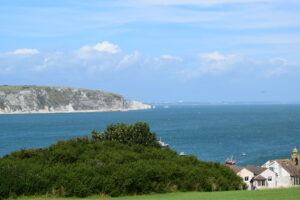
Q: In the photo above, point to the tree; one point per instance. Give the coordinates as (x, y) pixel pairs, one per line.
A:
(138, 133)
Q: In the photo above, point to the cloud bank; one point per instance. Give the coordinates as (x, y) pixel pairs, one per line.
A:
(25, 51)
(105, 66)
(106, 57)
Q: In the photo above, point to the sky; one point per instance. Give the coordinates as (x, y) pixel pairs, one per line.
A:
(155, 50)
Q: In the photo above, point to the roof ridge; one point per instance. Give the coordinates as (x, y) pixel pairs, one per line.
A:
(256, 169)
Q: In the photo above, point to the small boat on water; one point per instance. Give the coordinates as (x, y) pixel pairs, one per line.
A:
(243, 154)
(162, 144)
(182, 154)
(230, 161)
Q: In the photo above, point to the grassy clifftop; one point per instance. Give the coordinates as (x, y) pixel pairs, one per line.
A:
(18, 88)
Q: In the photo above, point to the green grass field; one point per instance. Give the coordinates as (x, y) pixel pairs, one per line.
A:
(275, 194)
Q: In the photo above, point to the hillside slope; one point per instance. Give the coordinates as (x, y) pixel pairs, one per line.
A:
(37, 99)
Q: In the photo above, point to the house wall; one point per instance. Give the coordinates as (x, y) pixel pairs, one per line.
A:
(246, 173)
(284, 181)
(283, 177)
(272, 183)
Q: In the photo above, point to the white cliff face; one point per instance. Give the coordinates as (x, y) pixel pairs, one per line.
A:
(136, 105)
(33, 99)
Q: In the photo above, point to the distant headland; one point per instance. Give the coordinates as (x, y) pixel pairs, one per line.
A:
(16, 99)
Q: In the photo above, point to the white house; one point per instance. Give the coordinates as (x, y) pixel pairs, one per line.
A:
(272, 174)
(286, 172)
(263, 177)
(244, 173)
(256, 177)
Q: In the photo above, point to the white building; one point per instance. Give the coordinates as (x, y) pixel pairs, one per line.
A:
(287, 174)
(272, 174)
(263, 177)
(256, 177)
(244, 173)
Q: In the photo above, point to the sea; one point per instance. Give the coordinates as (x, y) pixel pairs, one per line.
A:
(251, 134)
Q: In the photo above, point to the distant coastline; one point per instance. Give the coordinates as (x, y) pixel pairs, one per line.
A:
(191, 103)
(66, 112)
(25, 99)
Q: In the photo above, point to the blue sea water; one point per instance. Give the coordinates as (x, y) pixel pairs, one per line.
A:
(211, 132)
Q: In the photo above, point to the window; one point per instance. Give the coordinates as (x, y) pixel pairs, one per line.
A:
(246, 178)
(259, 183)
(272, 169)
(296, 180)
(270, 178)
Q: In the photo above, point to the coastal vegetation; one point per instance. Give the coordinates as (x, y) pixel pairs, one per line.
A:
(122, 160)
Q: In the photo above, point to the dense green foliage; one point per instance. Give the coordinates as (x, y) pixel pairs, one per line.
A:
(138, 133)
(86, 166)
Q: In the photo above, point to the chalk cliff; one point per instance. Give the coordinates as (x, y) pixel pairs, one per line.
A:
(38, 99)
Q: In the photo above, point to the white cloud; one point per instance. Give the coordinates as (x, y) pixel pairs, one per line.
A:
(129, 60)
(209, 64)
(104, 47)
(43, 66)
(279, 61)
(276, 67)
(215, 56)
(25, 51)
(173, 58)
(274, 72)
(105, 57)
(216, 63)
(98, 50)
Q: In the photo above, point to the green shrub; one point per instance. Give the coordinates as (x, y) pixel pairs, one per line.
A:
(86, 166)
(138, 133)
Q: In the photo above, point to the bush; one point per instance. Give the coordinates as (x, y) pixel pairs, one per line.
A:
(138, 133)
(86, 166)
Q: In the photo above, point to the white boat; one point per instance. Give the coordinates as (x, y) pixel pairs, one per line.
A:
(182, 154)
(162, 144)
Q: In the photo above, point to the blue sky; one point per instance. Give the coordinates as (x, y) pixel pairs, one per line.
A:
(151, 50)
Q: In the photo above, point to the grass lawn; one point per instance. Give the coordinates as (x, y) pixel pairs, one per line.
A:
(275, 194)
